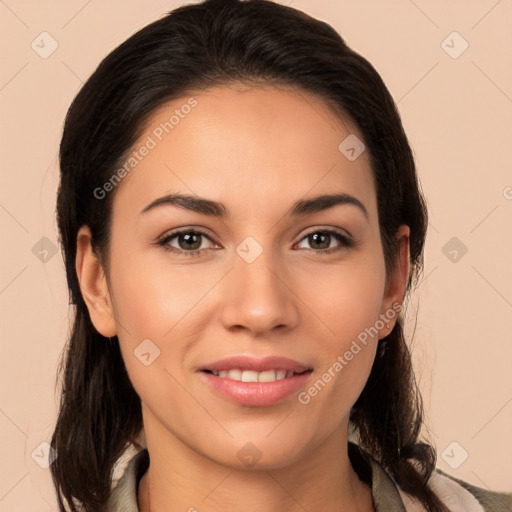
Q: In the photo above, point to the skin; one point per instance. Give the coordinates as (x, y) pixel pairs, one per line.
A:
(272, 147)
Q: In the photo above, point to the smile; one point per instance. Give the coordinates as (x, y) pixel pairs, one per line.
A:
(253, 376)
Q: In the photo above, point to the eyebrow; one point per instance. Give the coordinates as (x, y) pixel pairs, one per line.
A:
(215, 209)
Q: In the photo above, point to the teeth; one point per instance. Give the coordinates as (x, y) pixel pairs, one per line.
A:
(280, 374)
(253, 376)
(249, 376)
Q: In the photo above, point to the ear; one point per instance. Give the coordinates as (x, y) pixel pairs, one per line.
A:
(93, 285)
(396, 282)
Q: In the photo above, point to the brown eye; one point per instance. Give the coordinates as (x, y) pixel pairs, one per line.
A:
(189, 241)
(186, 242)
(324, 241)
(319, 240)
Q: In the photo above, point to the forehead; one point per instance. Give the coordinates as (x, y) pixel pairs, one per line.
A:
(247, 147)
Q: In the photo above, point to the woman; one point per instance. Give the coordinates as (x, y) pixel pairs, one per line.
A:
(241, 222)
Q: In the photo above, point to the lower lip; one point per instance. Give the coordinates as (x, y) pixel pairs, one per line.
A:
(256, 394)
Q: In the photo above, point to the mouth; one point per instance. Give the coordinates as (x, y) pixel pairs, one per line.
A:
(254, 382)
(258, 382)
(241, 375)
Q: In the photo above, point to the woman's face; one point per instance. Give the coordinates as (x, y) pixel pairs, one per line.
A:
(265, 271)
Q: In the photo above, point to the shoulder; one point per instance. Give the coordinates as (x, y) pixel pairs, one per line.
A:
(456, 494)
(459, 492)
(460, 496)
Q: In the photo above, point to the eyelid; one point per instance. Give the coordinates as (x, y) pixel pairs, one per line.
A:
(169, 235)
(178, 231)
(326, 229)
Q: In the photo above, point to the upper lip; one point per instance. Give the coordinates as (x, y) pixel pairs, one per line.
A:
(256, 364)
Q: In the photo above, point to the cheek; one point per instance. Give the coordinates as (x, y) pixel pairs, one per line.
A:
(156, 306)
(151, 300)
(348, 298)
(348, 301)
(347, 355)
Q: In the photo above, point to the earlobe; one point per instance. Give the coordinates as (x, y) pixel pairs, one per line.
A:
(93, 285)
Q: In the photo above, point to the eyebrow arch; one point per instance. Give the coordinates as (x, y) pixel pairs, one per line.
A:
(215, 209)
(324, 202)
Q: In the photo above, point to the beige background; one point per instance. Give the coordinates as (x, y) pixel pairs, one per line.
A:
(458, 115)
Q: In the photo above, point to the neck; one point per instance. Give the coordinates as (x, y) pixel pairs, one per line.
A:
(181, 479)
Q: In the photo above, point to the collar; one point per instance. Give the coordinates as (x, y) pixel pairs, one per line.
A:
(385, 492)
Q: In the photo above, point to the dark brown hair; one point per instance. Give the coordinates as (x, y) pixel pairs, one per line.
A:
(192, 48)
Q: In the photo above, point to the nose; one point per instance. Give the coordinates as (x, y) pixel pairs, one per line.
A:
(257, 297)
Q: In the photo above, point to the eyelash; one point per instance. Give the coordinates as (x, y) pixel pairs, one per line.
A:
(163, 242)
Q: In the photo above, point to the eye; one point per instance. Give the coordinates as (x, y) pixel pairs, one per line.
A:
(324, 241)
(187, 242)
(190, 242)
